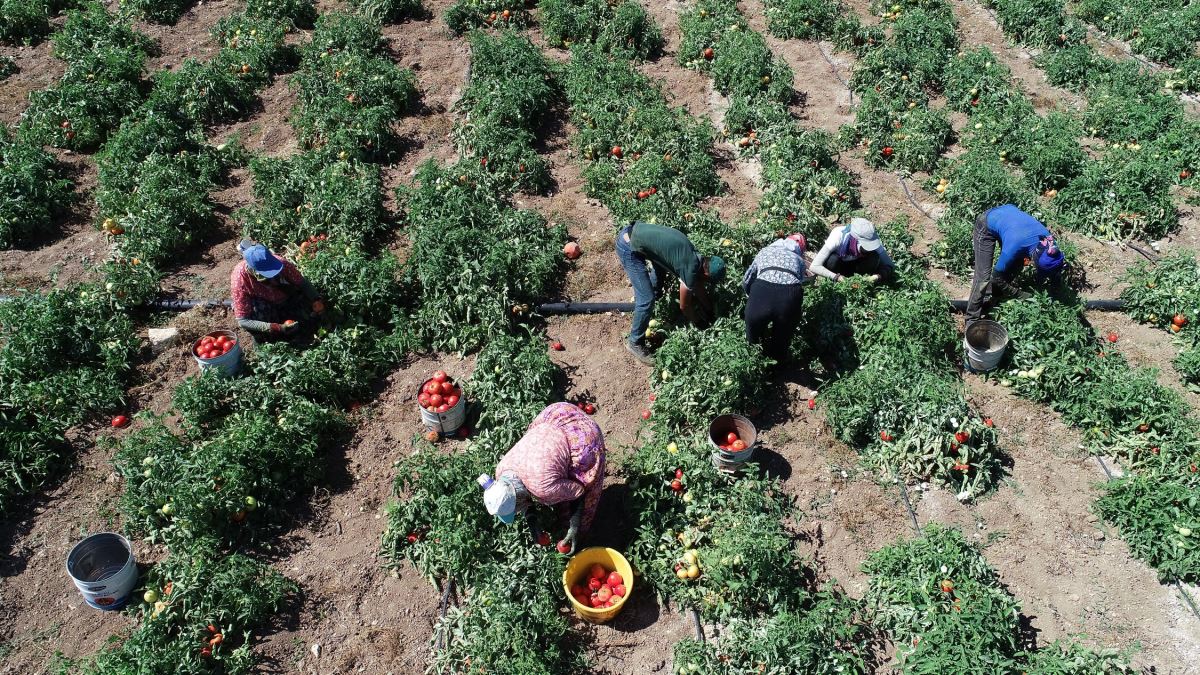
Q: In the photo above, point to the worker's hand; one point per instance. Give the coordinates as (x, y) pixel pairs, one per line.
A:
(290, 326)
(572, 538)
(873, 278)
(840, 278)
(318, 306)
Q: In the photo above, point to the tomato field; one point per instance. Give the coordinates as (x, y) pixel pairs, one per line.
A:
(440, 169)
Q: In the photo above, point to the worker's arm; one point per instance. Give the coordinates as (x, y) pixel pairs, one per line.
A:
(887, 266)
(695, 304)
(572, 537)
(262, 326)
(818, 263)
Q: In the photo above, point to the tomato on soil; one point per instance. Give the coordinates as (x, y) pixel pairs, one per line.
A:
(1113, 337)
(645, 414)
(120, 422)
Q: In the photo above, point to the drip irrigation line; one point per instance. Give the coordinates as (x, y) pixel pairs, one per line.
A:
(1187, 598)
(912, 200)
(833, 70)
(445, 603)
(696, 624)
(1145, 254)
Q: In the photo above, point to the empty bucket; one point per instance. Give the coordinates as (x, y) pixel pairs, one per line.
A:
(985, 342)
(103, 569)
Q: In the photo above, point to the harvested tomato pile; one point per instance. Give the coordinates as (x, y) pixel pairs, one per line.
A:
(733, 443)
(210, 347)
(602, 588)
(439, 393)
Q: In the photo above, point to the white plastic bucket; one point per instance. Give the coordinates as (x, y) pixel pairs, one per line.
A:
(448, 422)
(103, 569)
(719, 428)
(985, 342)
(228, 363)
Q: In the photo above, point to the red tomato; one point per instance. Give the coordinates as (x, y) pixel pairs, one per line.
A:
(578, 590)
(887, 151)
(564, 547)
(987, 421)
(594, 585)
(423, 399)
(412, 538)
(812, 403)
(1113, 337)
(604, 594)
(679, 473)
(731, 437)
(614, 579)
(589, 408)
(645, 414)
(447, 388)
(598, 572)
(556, 346)
(439, 376)
(223, 339)
(451, 400)
(677, 485)
(738, 445)
(442, 408)
(543, 539)
(206, 339)
(961, 436)
(120, 421)
(619, 591)
(597, 603)
(435, 400)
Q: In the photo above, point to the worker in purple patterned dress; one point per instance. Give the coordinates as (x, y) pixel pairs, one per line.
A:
(558, 462)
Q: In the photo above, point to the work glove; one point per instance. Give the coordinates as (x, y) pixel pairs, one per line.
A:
(840, 278)
(873, 278)
(290, 327)
(572, 538)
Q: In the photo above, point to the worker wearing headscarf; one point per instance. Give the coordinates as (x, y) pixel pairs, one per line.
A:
(774, 285)
(1021, 237)
(270, 296)
(853, 249)
(559, 461)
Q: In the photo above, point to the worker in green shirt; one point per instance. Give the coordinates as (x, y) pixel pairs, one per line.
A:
(648, 252)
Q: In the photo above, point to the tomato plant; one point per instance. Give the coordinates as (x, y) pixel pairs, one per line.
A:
(37, 192)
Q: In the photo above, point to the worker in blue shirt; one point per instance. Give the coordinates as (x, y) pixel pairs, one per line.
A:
(1021, 237)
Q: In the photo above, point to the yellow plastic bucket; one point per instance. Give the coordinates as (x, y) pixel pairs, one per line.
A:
(577, 571)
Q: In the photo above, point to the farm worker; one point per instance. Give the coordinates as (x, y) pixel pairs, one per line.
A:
(774, 284)
(853, 249)
(648, 252)
(559, 461)
(270, 296)
(1021, 237)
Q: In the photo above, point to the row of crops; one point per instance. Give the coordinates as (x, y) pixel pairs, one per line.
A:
(213, 478)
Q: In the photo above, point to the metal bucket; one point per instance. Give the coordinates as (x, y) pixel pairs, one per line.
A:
(719, 428)
(985, 342)
(103, 569)
(228, 363)
(448, 422)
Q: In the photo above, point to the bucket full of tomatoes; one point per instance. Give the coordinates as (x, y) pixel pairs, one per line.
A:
(443, 408)
(219, 349)
(598, 581)
(734, 440)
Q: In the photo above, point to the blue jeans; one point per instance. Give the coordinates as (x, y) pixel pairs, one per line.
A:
(646, 278)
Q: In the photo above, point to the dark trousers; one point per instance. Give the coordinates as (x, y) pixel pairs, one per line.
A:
(985, 282)
(867, 263)
(773, 312)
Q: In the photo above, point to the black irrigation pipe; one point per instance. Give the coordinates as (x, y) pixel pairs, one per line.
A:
(696, 624)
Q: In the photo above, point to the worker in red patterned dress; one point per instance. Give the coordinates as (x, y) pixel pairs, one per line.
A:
(270, 296)
(559, 461)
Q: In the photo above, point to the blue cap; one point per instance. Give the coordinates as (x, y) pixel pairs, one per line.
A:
(259, 259)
